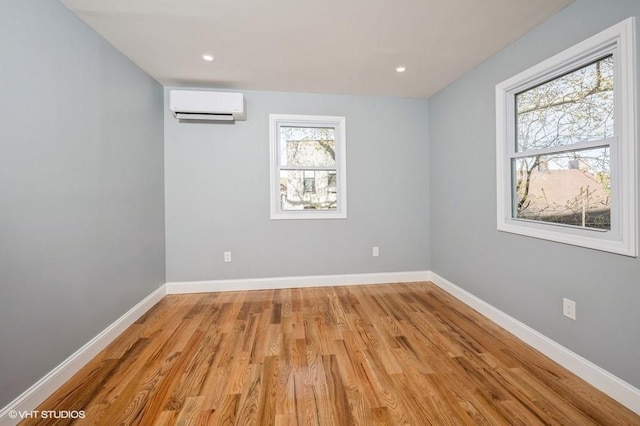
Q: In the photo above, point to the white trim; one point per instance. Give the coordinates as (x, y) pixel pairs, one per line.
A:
(295, 282)
(43, 388)
(601, 379)
(628, 130)
(578, 146)
(622, 238)
(339, 124)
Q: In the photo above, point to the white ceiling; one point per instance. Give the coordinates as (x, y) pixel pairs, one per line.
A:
(328, 46)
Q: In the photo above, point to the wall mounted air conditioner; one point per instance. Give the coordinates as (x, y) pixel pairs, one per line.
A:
(206, 105)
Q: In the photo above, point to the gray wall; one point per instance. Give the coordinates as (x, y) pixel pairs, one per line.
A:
(217, 193)
(525, 277)
(81, 188)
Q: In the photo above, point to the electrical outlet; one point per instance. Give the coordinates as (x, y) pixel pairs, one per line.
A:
(569, 308)
(227, 256)
(376, 251)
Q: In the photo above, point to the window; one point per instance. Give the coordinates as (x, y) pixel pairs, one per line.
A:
(566, 138)
(308, 172)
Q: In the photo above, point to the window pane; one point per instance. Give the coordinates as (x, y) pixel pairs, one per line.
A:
(572, 188)
(307, 146)
(574, 107)
(305, 190)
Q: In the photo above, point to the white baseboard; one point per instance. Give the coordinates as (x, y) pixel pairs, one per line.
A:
(295, 282)
(616, 388)
(36, 394)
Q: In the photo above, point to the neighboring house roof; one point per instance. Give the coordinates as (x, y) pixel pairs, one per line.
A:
(557, 191)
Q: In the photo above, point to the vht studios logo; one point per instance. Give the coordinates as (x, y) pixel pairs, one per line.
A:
(49, 414)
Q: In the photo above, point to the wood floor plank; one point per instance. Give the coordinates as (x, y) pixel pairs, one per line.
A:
(396, 354)
(307, 412)
(337, 393)
(267, 402)
(250, 398)
(158, 399)
(285, 405)
(226, 414)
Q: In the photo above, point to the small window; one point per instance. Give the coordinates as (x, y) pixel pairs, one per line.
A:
(331, 182)
(566, 146)
(310, 182)
(308, 172)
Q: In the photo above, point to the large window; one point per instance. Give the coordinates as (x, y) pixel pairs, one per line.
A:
(566, 137)
(308, 167)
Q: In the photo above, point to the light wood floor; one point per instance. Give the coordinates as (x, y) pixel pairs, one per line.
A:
(371, 355)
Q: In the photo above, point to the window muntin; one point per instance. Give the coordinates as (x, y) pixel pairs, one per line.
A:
(308, 167)
(566, 130)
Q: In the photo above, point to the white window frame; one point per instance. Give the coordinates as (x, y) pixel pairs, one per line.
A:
(622, 238)
(284, 120)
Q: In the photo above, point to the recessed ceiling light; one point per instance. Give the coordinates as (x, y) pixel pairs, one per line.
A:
(401, 69)
(207, 57)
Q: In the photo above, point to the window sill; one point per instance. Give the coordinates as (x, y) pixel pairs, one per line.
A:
(588, 238)
(308, 215)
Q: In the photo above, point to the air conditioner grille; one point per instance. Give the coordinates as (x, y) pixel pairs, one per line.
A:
(203, 116)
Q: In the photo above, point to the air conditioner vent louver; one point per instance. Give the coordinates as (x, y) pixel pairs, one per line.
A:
(203, 116)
